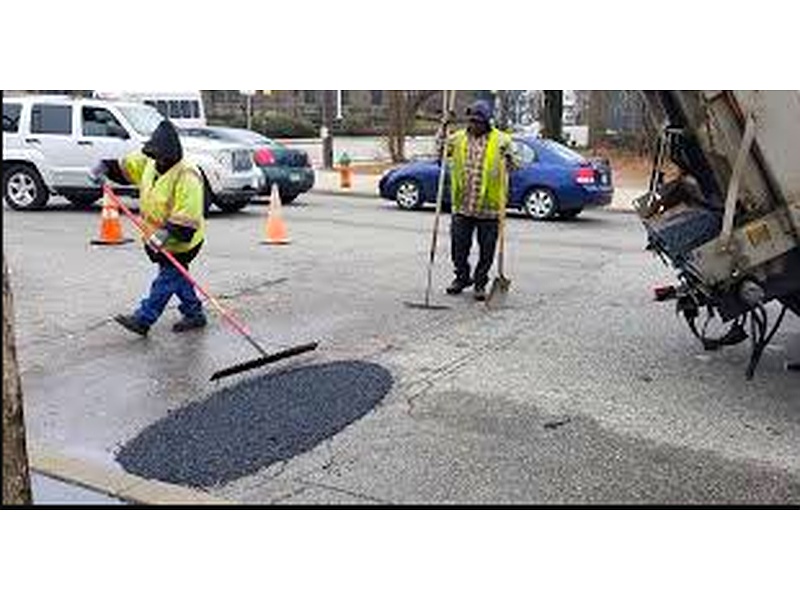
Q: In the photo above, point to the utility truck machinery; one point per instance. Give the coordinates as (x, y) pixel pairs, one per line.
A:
(723, 209)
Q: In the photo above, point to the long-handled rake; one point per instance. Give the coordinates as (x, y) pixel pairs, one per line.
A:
(266, 357)
(448, 107)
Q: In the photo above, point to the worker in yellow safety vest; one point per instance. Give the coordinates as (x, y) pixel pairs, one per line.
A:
(172, 206)
(480, 158)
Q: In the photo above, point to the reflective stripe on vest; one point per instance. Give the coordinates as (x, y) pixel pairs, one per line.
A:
(157, 203)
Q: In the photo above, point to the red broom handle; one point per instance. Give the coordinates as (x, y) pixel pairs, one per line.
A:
(139, 224)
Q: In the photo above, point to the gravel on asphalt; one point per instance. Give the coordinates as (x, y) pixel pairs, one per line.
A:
(251, 425)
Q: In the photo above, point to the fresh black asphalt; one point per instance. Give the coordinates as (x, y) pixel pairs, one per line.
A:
(247, 427)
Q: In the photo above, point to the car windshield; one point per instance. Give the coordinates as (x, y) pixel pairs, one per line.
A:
(144, 119)
(564, 152)
(244, 136)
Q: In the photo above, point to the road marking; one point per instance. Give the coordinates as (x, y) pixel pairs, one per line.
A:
(117, 483)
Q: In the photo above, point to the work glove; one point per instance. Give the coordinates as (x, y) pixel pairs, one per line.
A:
(158, 239)
(98, 174)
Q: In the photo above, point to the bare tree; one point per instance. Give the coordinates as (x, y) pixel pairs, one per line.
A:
(598, 116)
(16, 476)
(404, 106)
(553, 114)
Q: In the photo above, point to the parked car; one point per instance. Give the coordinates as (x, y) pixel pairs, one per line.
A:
(553, 181)
(289, 169)
(50, 144)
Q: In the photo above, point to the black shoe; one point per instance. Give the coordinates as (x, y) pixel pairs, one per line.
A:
(458, 286)
(132, 324)
(190, 324)
(480, 294)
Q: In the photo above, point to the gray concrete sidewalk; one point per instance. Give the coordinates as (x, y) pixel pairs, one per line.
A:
(52, 492)
(327, 182)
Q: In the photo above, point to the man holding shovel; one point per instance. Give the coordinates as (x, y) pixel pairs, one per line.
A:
(480, 159)
(171, 205)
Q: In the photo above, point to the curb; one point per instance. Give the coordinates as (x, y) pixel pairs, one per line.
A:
(356, 194)
(340, 192)
(117, 484)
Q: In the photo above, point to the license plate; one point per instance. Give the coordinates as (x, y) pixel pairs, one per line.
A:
(295, 177)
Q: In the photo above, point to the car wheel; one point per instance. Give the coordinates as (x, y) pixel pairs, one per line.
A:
(541, 204)
(288, 198)
(23, 188)
(208, 198)
(570, 214)
(408, 195)
(232, 207)
(83, 200)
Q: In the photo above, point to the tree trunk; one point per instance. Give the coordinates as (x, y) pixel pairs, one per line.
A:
(16, 478)
(397, 125)
(328, 110)
(554, 114)
(598, 114)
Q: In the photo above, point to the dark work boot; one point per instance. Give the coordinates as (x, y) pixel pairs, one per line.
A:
(132, 324)
(458, 286)
(190, 324)
(480, 294)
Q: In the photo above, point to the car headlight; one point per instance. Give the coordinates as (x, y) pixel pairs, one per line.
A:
(225, 159)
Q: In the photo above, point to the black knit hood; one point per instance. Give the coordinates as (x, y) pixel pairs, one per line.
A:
(164, 147)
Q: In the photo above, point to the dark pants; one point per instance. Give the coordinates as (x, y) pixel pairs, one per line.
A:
(462, 233)
(169, 283)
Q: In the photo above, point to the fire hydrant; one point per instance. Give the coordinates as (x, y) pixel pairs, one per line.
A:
(345, 171)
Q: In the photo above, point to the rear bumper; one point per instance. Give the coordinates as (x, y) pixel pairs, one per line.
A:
(589, 197)
(290, 180)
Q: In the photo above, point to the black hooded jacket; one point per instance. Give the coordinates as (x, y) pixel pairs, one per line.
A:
(164, 147)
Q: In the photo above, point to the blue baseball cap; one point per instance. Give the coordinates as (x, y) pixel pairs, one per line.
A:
(481, 110)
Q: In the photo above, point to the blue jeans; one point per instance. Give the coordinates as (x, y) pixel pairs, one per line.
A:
(168, 283)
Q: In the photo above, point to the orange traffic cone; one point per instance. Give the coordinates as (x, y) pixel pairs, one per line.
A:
(110, 226)
(277, 232)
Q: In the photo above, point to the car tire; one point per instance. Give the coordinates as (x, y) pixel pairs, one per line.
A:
(23, 188)
(408, 195)
(230, 208)
(208, 197)
(83, 200)
(541, 204)
(288, 198)
(569, 215)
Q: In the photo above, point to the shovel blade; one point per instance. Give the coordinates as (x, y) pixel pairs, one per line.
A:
(500, 289)
(264, 361)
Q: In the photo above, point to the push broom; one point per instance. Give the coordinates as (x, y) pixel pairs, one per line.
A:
(238, 326)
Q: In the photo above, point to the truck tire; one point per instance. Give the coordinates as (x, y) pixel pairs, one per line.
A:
(23, 188)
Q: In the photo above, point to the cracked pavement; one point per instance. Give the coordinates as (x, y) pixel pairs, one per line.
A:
(579, 390)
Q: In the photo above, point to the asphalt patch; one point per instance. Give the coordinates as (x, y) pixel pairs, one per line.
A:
(247, 427)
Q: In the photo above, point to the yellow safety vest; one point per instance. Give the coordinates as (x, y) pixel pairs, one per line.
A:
(175, 197)
(494, 182)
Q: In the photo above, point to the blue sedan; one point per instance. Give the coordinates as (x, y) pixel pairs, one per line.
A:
(552, 181)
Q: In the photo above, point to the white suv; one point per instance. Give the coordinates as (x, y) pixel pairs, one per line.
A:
(50, 144)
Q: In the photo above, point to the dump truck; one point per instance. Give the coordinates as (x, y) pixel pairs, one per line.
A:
(723, 210)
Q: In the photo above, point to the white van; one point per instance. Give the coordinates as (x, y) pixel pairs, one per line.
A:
(51, 143)
(185, 109)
